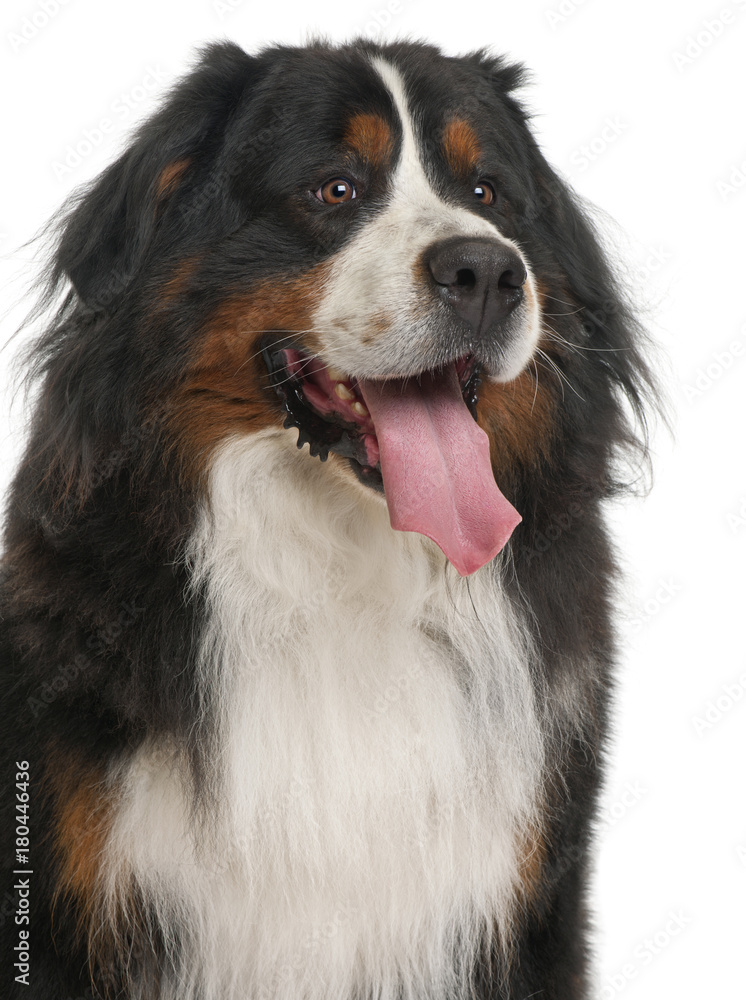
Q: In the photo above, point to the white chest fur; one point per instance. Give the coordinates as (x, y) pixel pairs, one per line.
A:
(381, 750)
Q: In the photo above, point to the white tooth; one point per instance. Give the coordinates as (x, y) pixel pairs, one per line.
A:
(343, 392)
(335, 374)
(359, 409)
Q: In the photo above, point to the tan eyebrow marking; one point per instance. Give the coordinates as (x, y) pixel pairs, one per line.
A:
(370, 137)
(170, 176)
(461, 146)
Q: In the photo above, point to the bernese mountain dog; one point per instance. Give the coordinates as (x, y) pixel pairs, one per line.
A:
(307, 593)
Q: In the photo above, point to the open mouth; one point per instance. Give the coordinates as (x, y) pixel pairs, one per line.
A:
(330, 412)
(415, 439)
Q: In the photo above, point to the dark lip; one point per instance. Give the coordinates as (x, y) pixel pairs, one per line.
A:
(331, 433)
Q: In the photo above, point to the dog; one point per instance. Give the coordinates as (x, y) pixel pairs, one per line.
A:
(308, 595)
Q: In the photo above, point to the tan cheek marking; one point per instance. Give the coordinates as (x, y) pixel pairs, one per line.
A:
(226, 389)
(518, 419)
(370, 137)
(461, 147)
(520, 416)
(177, 284)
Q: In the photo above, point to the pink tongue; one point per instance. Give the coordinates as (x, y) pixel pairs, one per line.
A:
(435, 463)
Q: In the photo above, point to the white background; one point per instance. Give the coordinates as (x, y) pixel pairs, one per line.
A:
(655, 92)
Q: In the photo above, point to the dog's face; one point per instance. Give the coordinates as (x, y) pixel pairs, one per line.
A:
(354, 244)
(418, 272)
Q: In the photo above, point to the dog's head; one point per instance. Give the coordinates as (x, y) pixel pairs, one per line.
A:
(362, 245)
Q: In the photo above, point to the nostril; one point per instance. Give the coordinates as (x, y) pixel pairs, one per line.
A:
(510, 280)
(465, 278)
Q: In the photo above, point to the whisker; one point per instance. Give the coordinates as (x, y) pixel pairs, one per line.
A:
(304, 362)
(553, 335)
(536, 383)
(286, 333)
(560, 374)
(570, 312)
(562, 302)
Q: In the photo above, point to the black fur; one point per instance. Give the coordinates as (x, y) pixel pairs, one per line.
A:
(99, 626)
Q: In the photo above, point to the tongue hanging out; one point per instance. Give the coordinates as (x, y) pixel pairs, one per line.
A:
(435, 463)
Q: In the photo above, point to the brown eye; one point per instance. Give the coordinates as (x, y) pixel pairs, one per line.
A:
(485, 192)
(335, 191)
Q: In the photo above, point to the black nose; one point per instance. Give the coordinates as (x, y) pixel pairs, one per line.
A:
(481, 278)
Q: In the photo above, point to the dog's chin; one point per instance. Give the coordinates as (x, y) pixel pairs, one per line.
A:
(329, 412)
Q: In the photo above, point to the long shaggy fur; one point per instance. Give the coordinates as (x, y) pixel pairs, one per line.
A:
(277, 749)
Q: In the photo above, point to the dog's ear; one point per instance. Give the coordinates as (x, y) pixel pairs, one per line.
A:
(105, 236)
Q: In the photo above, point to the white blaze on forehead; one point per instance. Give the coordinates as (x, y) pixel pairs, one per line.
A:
(375, 318)
(411, 189)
